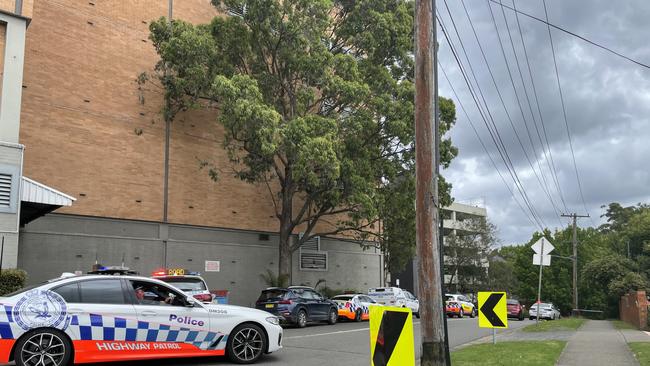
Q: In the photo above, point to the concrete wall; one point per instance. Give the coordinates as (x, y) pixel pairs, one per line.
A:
(60, 243)
(12, 76)
(633, 309)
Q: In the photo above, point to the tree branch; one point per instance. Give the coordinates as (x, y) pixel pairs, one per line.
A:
(275, 204)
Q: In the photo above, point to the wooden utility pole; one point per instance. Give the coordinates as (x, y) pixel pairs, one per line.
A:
(427, 203)
(575, 259)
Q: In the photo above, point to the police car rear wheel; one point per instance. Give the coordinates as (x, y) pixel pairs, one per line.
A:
(43, 347)
(247, 344)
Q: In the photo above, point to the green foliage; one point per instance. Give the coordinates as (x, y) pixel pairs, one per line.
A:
(607, 269)
(397, 197)
(270, 279)
(572, 323)
(529, 353)
(467, 252)
(501, 277)
(316, 100)
(641, 352)
(12, 280)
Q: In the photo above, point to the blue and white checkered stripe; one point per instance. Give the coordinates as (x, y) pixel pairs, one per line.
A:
(99, 327)
(8, 328)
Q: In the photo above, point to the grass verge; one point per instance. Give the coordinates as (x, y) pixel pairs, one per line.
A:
(619, 324)
(530, 353)
(553, 325)
(641, 351)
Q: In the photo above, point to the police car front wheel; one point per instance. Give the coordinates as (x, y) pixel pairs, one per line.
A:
(43, 347)
(247, 344)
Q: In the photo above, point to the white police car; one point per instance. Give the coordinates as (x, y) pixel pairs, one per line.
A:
(98, 318)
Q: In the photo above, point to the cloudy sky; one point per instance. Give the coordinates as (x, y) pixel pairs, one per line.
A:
(607, 103)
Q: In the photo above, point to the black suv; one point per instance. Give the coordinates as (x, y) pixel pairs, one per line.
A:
(297, 305)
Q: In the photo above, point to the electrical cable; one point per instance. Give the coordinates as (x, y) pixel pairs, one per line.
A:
(566, 122)
(539, 110)
(493, 134)
(469, 120)
(575, 35)
(542, 182)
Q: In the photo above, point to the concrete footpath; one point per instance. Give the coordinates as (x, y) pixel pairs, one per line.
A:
(596, 343)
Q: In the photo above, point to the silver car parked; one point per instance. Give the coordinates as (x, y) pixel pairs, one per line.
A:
(546, 311)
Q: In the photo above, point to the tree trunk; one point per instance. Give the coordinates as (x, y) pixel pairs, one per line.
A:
(284, 268)
(286, 226)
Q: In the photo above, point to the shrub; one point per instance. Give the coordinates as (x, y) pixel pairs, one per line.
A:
(12, 280)
(272, 280)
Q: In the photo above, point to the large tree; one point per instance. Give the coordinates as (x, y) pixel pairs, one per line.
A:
(316, 101)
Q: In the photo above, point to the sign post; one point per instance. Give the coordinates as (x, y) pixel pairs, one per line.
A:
(493, 312)
(542, 257)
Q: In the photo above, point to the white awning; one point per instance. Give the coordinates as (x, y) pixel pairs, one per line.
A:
(36, 192)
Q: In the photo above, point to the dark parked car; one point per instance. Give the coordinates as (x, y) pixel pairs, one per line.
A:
(297, 305)
(515, 309)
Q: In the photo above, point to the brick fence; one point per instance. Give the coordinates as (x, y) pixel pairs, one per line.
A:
(633, 309)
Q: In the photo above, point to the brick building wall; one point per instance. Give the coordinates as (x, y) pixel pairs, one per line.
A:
(87, 134)
(633, 308)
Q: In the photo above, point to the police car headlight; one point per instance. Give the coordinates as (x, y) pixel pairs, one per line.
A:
(273, 320)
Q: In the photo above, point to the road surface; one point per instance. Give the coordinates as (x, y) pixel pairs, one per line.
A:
(345, 343)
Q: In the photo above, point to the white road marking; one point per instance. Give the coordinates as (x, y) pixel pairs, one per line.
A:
(331, 333)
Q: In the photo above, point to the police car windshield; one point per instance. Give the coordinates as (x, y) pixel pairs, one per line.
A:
(187, 284)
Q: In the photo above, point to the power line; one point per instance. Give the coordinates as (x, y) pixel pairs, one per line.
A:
(480, 140)
(530, 108)
(496, 86)
(574, 35)
(493, 134)
(539, 110)
(542, 182)
(566, 122)
(496, 137)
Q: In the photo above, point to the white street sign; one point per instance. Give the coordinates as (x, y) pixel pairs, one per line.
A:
(537, 247)
(212, 266)
(537, 259)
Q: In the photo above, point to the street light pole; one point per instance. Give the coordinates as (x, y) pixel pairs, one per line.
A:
(427, 202)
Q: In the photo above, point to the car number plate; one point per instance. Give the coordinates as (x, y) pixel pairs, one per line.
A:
(269, 306)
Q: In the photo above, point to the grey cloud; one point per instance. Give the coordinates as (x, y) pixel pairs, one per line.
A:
(607, 104)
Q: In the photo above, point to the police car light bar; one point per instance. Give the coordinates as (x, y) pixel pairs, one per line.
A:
(173, 272)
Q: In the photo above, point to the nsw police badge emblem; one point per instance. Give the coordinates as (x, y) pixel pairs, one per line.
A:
(41, 308)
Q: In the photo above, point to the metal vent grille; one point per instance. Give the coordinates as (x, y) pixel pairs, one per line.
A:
(5, 190)
(313, 260)
(311, 244)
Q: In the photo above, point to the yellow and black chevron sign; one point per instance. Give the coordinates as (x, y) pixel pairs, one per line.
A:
(391, 336)
(493, 312)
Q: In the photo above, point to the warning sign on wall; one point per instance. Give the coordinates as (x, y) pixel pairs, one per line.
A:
(391, 336)
(212, 266)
